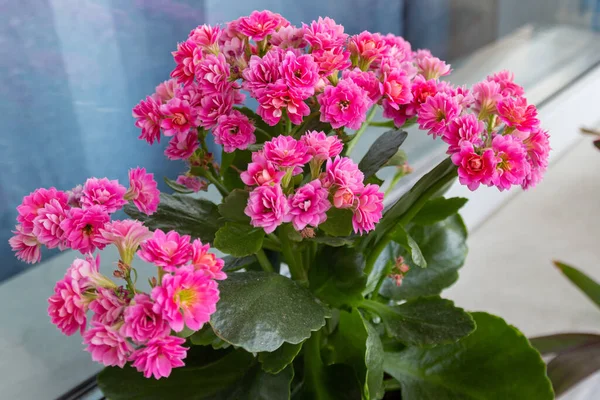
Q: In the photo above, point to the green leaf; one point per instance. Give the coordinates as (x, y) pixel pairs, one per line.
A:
(198, 218)
(234, 263)
(383, 124)
(401, 237)
(332, 240)
(384, 148)
(571, 367)
(177, 187)
(400, 158)
(587, 285)
(338, 223)
(239, 240)
(206, 337)
(374, 180)
(231, 176)
(338, 276)
(438, 209)
(275, 361)
(233, 206)
(339, 382)
(226, 161)
(260, 385)
(259, 311)
(495, 362)
(563, 342)
(185, 333)
(424, 321)
(444, 247)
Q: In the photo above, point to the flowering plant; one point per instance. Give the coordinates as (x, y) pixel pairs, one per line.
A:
(322, 293)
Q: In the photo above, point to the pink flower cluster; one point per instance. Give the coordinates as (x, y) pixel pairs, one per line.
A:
(274, 199)
(75, 219)
(126, 324)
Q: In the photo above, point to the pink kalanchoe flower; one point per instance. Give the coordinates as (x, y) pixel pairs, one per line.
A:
(538, 149)
(207, 262)
(309, 205)
(212, 74)
(300, 72)
(260, 24)
(213, 106)
(141, 322)
(107, 307)
(324, 34)
(106, 345)
(397, 48)
(261, 171)
(26, 246)
(367, 47)
(366, 80)
(186, 298)
(103, 192)
(422, 89)
(166, 90)
(396, 88)
(168, 250)
(126, 235)
(182, 146)
(159, 356)
(190, 93)
(143, 190)
(46, 226)
(515, 113)
(432, 67)
(178, 117)
(512, 166)
(75, 196)
(344, 198)
(474, 168)
(193, 183)
(87, 274)
(344, 105)
(32, 203)
(67, 306)
(288, 37)
(82, 228)
(148, 118)
(286, 152)
(400, 115)
(268, 207)
(466, 128)
(206, 37)
(277, 98)
(320, 146)
(184, 58)
(234, 132)
(436, 113)
(487, 95)
(344, 173)
(263, 71)
(369, 209)
(335, 59)
(507, 85)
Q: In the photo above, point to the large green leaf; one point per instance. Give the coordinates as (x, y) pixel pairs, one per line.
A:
(571, 367)
(261, 385)
(239, 239)
(233, 206)
(384, 148)
(424, 321)
(438, 209)
(177, 187)
(234, 263)
(444, 247)
(198, 218)
(586, 284)
(275, 361)
(259, 311)
(338, 223)
(495, 362)
(231, 176)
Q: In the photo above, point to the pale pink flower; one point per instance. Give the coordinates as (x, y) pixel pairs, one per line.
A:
(367, 47)
(474, 168)
(148, 118)
(516, 113)
(260, 24)
(143, 190)
(487, 95)
(263, 71)
(212, 74)
(512, 166)
(335, 59)
(538, 149)
(324, 34)
(82, 228)
(396, 88)
(286, 152)
(106, 345)
(182, 146)
(309, 205)
(432, 67)
(103, 192)
(67, 306)
(159, 356)
(288, 37)
(234, 51)
(277, 98)
(186, 298)
(167, 89)
(46, 226)
(300, 72)
(75, 196)
(26, 246)
(368, 81)
(507, 85)
(344, 198)
(32, 203)
(213, 106)
(126, 235)
(320, 146)
(141, 322)
(234, 131)
(397, 48)
(87, 273)
(178, 117)
(344, 105)
(436, 113)
(466, 128)
(107, 307)
(461, 94)
(207, 262)
(168, 250)
(206, 37)
(261, 171)
(192, 182)
(267, 207)
(343, 172)
(184, 58)
(369, 209)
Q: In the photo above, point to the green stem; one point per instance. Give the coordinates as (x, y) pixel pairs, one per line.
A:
(360, 132)
(395, 180)
(374, 255)
(304, 123)
(264, 261)
(161, 273)
(274, 238)
(265, 133)
(220, 187)
(314, 369)
(386, 272)
(296, 269)
(381, 124)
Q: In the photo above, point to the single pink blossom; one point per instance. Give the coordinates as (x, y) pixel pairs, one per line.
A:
(166, 90)
(368, 81)
(186, 298)
(263, 71)
(207, 262)
(193, 183)
(213, 106)
(143, 190)
(106, 345)
(507, 85)
(159, 356)
(75, 196)
(512, 167)
(436, 113)
(288, 37)
(300, 72)
(103, 192)
(344, 105)
(86, 272)
(168, 250)
(25, 245)
(422, 89)
(286, 152)
(32, 203)
(343, 172)
(324, 34)
(320, 146)
(537, 145)
(107, 307)
(46, 226)
(396, 88)
(261, 171)
(67, 306)
(367, 47)
(260, 24)
(277, 98)
(344, 198)
(184, 58)
(82, 228)
(141, 323)
(516, 113)
(190, 93)
(309, 205)
(206, 37)
(369, 209)
(234, 131)
(212, 74)
(178, 117)
(126, 235)
(466, 128)
(182, 146)
(397, 48)
(487, 95)
(148, 118)
(267, 207)
(432, 67)
(329, 61)
(474, 168)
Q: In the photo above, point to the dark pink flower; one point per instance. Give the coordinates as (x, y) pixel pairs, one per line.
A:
(212, 74)
(143, 190)
(466, 128)
(366, 80)
(309, 205)
(260, 24)
(516, 113)
(203, 260)
(67, 306)
(206, 37)
(234, 131)
(32, 203)
(268, 207)
(106, 345)
(192, 182)
(286, 152)
(148, 118)
(103, 192)
(436, 113)
(512, 167)
(213, 106)
(179, 117)
(184, 58)
(82, 228)
(261, 171)
(369, 209)
(324, 34)
(107, 307)
(300, 72)
(159, 356)
(474, 168)
(344, 105)
(335, 59)
(182, 146)
(46, 226)
(507, 85)
(320, 146)
(169, 250)
(277, 98)
(26, 246)
(344, 173)
(141, 322)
